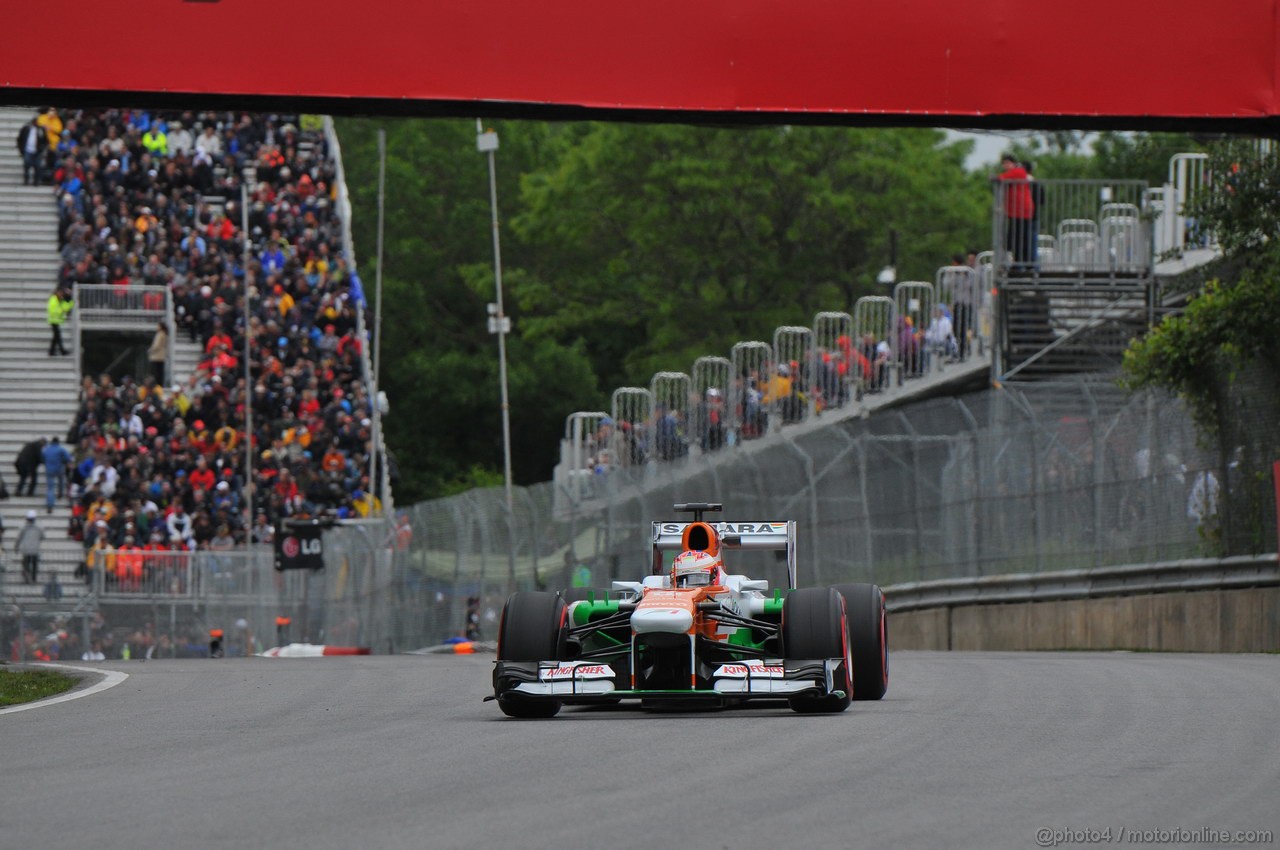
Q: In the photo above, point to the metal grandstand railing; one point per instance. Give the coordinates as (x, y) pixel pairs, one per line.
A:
(1073, 265)
(1097, 228)
(805, 372)
(123, 307)
(106, 307)
(349, 255)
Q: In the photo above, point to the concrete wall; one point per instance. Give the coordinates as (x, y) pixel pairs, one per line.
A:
(1246, 620)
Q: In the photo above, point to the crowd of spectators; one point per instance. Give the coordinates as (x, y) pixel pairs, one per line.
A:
(66, 638)
(152, 199)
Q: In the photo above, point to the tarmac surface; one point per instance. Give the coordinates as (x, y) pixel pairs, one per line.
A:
(982, 750)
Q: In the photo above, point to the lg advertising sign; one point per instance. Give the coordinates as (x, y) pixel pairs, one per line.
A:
(301, 548)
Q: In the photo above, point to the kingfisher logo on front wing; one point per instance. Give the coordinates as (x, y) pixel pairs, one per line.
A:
(741, 671)
(576, 670)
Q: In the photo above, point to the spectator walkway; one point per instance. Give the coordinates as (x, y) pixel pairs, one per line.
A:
(37, 392)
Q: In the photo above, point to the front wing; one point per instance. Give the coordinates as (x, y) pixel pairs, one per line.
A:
(588, 682)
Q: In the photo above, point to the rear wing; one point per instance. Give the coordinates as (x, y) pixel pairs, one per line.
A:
(777, 536)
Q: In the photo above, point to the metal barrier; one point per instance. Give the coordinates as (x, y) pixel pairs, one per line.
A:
(1047, 248)
(1190, 574)
(105, 307)
(875, 323)
(791, 389)
(129, 572)
(1044, 479)
(121, 307)
(669, 392)
(914, 300)
(632, 412)
(712, 378)
(1188, 180)
(957, 289)
(752, 364)
(1125, 243)
(1099, 226)
(586, 434)
(835, 370)
(366, 364)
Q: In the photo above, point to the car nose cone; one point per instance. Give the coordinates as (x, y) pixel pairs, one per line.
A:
(669, 620)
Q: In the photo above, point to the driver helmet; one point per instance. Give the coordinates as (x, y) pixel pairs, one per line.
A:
(695, 568)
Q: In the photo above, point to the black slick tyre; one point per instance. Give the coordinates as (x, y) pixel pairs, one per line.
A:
(814, 626)
(532, 629)
(868, 639)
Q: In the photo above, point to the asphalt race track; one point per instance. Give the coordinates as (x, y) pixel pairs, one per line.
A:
(967, 750)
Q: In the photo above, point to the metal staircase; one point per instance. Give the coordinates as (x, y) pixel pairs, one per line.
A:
(37, 392)
(1089, 289)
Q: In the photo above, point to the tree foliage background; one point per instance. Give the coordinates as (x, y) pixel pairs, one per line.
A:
(1220, 354)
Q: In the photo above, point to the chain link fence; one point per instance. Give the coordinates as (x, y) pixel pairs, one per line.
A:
(1034, 478)
(1041, 477)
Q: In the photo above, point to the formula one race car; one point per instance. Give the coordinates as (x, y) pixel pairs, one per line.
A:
(693, 634)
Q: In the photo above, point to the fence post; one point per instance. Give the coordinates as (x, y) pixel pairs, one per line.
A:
(170, 372)
(1275, 480)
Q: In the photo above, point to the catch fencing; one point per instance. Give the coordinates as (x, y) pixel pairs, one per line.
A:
(1034, 479)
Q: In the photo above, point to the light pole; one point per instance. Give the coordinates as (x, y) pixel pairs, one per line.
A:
(487, 142)
(377, 455)
(248, 373)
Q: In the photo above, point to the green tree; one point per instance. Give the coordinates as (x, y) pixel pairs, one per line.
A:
(439, 363)
(654, 245)
(626, 249)
(1220, 355)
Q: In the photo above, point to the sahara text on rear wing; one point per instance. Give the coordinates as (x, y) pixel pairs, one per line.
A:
(668, 536)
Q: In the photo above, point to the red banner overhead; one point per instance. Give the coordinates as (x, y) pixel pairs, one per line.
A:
(964, 62)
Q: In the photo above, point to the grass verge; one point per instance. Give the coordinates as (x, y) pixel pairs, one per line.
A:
(19, 686)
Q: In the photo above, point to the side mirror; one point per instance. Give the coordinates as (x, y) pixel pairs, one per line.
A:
(629, 586)
(754, 584)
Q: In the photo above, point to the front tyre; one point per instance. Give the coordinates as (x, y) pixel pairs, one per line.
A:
(868, 639)
(532, 629)
(814, 625)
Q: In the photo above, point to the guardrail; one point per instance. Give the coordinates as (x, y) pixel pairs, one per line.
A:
(134, 574)
(1192, 574)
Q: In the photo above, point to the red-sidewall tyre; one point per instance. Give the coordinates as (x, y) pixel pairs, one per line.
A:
(814, 625)
(532, 629)
(868, 639)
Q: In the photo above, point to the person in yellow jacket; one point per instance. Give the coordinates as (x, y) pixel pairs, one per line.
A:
(59, 308)
(362, 504)
(52, 125)
(100, 556)
(155, 140)
(778, 386)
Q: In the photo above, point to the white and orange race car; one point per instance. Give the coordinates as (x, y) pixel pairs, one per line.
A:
(692, 633)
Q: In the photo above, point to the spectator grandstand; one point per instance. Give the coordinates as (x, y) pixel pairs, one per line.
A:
(149, 201)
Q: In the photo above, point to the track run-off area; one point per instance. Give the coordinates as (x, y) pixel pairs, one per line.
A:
(966, 750)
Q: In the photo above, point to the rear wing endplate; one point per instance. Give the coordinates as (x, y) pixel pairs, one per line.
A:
(776, 536)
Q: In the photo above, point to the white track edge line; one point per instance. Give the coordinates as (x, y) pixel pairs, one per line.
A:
(110, 679)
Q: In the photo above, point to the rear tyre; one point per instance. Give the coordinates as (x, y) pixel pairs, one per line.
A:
(814, 625)
(868, 639)
(532, 629)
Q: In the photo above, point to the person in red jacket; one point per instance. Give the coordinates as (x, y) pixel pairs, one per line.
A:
(202, 476)
(1019, 210)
